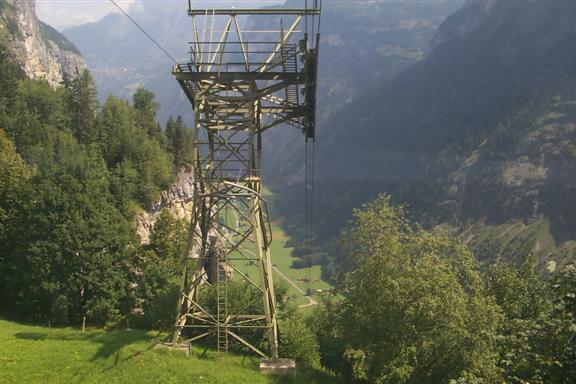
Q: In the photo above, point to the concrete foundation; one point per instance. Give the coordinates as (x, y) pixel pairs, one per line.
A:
(184, 348)
(282, 367)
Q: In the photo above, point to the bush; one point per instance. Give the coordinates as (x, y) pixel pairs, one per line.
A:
(298, 341)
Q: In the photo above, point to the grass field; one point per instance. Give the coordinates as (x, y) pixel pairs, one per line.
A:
(282, 259)
(32, 354)
(305, 278)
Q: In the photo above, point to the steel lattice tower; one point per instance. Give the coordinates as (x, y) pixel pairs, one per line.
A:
(240, 83)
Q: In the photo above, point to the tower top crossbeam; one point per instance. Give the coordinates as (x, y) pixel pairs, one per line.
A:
(252, 12)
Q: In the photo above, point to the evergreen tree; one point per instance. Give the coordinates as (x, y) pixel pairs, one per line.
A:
(170, 134)
(147, 108)
(71, 248)
(168, 240)
(83, 105)
(67, 250)
(182, 144)
(126, 147)
(14, 174)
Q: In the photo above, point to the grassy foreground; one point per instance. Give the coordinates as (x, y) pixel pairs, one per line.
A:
(32, 354)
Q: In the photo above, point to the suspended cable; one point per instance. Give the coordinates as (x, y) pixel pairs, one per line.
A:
(320, 16)
(314, 18)
(309, 182)
(143, 31)
(306, 16)
(309, 208)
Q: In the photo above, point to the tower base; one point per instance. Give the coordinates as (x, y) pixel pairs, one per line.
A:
(281, 367)
(182, 347)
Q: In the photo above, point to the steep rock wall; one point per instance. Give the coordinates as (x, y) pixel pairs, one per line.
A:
(177, 199)
(41, 51)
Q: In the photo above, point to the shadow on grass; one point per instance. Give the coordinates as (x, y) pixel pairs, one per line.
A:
(309, 376)
(54, 335)
(111, 351)
(113, 341)
(110, 342)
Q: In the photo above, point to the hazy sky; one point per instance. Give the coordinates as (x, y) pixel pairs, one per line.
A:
(66, 13)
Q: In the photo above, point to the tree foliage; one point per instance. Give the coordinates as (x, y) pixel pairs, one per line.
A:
(82, 102)
(180, 142)
(297, 340)
(538, 337)
(72, 174)
(414, 307)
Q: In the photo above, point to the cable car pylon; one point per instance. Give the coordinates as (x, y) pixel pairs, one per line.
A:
(240, 84)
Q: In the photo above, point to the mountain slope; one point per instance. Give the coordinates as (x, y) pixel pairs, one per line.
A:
(363, 44)
(123, 59)
(479, 134)
(377, 41)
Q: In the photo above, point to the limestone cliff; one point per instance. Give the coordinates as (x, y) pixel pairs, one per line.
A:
(41, 51)
(177, 199)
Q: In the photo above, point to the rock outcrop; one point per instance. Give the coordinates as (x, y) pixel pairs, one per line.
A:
(177, 199)
(41, 51)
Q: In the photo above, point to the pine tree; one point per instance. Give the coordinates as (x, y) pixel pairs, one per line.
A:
(147, 108)
(83, 105)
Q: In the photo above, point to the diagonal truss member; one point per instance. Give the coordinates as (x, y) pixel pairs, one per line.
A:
(240, 84)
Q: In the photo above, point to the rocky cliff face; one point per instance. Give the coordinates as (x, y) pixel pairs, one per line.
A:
(40, 50)
(178, 200)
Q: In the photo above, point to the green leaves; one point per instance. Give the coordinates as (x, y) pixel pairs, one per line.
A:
(297, 340)
(68, 249)
(140, 166)
(414, 307)
(537, 340)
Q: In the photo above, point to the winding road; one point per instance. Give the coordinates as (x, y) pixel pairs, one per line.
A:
(311, 301)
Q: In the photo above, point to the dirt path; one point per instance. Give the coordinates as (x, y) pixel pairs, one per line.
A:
(311, 300)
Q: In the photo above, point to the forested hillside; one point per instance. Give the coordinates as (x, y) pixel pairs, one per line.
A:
(478, 136)
(123, 58)
(73, 174)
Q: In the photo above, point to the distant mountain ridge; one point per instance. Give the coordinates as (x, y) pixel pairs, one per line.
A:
(386, 38)
(480, 136)
(122, 58)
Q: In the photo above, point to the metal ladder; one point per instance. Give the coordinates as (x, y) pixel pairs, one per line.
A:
(222, 310)
(290, 65)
